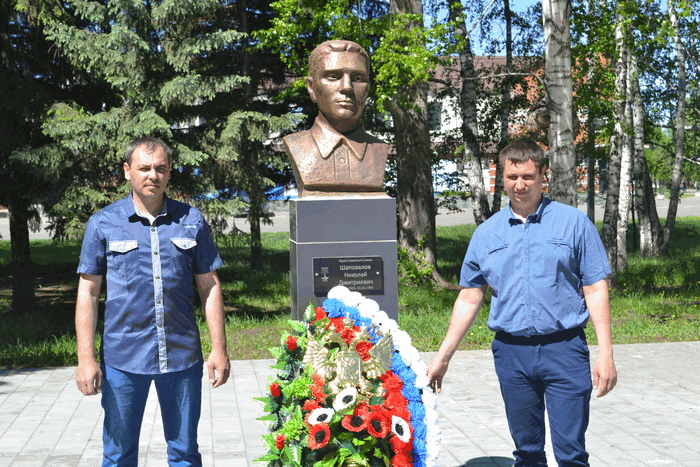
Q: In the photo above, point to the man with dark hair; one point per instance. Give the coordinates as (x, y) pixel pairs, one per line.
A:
(547, 268)
(149, 248)
(337, 155)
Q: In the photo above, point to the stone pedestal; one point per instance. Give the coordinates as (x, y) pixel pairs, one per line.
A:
(348, 241)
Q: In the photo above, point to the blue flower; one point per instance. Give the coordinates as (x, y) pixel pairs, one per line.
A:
(418, 419)
(420, 452)
(411, 392)
(334, 307)
(397, 364)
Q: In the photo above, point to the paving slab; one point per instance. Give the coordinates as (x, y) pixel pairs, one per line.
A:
(652, 418)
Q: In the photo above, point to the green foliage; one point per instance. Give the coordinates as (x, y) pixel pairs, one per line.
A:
(217, 212)
(171, 69)
(414, 269)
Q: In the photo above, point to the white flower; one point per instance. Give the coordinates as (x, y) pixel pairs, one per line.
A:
(368, 308)
(402, 341)
(353, 299)
(391, 325)
(433, 429)
(381, 319)
(410, 356)
(401, 428)
(345, 398)
(338, 292)
(321, 415)
(421, 371)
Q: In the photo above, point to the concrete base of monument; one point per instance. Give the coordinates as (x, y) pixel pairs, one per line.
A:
(349, 241)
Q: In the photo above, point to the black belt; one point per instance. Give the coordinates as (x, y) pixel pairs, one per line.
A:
(540, 339)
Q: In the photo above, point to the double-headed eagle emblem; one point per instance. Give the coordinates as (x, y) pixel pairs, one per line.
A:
(340, 365)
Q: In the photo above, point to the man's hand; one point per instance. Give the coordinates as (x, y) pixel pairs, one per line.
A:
(604, 375)
(88, 377)
(436, 371)
(219, 368)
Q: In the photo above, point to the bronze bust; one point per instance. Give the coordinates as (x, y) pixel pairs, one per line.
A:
(337, 156)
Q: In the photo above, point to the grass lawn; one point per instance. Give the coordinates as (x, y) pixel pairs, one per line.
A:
(657, 299)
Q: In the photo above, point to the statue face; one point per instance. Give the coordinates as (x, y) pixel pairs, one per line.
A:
(340, 89)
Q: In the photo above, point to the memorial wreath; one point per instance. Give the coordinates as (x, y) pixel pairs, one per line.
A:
(350, 390)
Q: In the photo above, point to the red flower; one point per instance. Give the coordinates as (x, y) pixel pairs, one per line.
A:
(400, 446)
(318, 380)
(363, 348)
(348, 335)
(362, 409)
(402, 412)
(320, 313)
(291, 343)
(279, 442)
(319, 435)
(358, 420)
(275, 390)
(310, 405)
(391, 382)
(337, 324)
(401, 460)
(395, 400)
(353, 423)
(378, 425)
(317, 388)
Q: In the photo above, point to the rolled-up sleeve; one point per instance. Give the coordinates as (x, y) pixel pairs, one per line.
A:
(92, 253)
(207, 258)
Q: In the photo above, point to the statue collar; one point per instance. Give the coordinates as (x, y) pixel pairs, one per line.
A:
(328, 139)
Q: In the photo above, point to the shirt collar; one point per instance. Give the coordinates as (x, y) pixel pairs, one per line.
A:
(328, 139)
(536, 217)
(131, 210)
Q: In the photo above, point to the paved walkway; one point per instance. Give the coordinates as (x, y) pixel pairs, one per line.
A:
(652, 418)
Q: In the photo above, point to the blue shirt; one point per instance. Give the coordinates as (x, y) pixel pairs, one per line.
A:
(536, 269)
(150, 324)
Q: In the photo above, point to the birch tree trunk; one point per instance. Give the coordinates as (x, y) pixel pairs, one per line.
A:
(505, 104)
(591, 138)
(469, 113)
(679, 137)
(612, 201)
(650, 233)
(559, 82)
(626, 149)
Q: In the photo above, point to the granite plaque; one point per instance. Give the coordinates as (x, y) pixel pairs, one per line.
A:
(364, 274)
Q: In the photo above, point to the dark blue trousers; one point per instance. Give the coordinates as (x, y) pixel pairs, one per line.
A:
(551, 372)
(124, 401)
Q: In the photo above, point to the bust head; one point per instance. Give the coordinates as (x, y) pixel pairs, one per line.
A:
(338, 82)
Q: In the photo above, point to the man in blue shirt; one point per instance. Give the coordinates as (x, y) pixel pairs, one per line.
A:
(150, 249)
(546, 267)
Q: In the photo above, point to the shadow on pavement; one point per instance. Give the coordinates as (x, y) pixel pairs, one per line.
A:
(489, 462)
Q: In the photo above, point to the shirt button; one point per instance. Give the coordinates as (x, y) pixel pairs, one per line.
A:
(155, 253)
(157, 278)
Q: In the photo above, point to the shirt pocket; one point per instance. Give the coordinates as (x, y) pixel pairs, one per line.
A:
(557, 260)
(183, 258)
(495, 265)
(123, 259)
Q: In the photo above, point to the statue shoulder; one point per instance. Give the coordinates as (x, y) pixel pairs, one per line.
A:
(299, 142)
(371, 139)
(299, 136)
